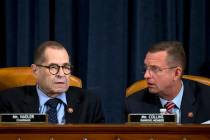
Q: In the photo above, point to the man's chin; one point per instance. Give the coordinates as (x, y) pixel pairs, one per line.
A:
(60, 87)
(60, 90)
(152, 90)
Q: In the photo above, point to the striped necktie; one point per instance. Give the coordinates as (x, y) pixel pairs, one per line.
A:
(169, 106)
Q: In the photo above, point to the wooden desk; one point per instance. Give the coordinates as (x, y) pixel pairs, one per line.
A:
(104, 132)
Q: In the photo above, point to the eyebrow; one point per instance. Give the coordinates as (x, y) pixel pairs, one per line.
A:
(59, 65)
(152, 66)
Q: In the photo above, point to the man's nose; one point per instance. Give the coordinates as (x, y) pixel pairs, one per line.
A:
(147, 74)
(60, 71)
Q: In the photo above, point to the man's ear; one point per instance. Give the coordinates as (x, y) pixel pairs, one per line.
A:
(34, 70)
(178, 73)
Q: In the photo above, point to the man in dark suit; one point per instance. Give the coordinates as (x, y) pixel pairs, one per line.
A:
(52, 94)
(164, 66)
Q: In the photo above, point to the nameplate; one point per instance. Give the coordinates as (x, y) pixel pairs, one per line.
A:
(152, 118)
(23, 118)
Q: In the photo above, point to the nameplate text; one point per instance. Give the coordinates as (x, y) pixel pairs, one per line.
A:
(152, 118)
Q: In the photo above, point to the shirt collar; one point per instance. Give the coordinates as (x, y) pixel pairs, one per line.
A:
(43, 98)
(177, 100)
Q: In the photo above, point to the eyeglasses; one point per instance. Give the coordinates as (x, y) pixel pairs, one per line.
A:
(155, 69)
(54, 68)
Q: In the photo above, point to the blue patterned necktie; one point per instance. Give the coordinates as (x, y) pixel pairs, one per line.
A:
(52, 110)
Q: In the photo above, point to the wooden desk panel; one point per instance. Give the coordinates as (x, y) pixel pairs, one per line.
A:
(104, 132)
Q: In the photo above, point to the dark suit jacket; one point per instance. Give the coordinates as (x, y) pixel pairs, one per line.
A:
(195, 100)
(86, 106)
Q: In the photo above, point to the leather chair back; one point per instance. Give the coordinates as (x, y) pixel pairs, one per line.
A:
(142, 84)
(20, 76)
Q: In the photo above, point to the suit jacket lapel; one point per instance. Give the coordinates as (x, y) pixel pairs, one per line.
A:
(154, 100)
(72, 110)
(31, 100)
(189, 105)
(158, 104)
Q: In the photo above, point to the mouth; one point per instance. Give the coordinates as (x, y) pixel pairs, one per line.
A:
(150, 84)
(60, 83)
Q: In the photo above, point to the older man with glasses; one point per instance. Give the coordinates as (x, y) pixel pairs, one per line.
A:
(164, 65)
(52, 94)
